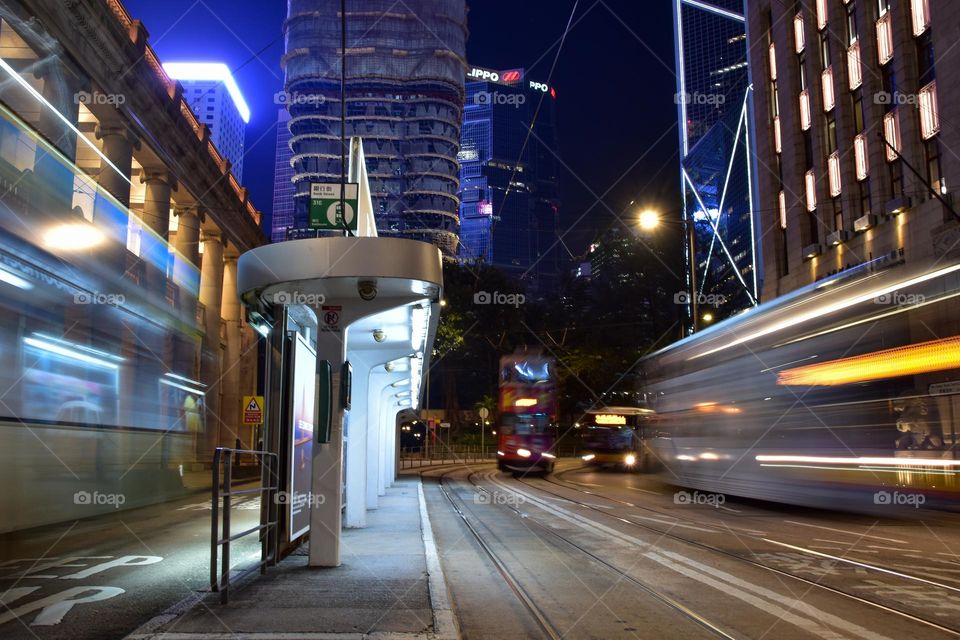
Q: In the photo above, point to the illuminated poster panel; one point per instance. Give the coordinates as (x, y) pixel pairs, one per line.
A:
(302, 417)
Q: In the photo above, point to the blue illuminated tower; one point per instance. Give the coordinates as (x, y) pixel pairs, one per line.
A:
(714, 107)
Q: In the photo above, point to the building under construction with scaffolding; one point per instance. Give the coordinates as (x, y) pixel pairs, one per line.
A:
(404, 76)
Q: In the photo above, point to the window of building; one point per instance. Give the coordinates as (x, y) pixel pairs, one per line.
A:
(860, 156)
(920, 9)
(830, 135)
(934, 169)
(925, 58)
(805, 116)
(891, 133)
(821, 14)
(853, 35)
(810, 184)
(854, 70)
(863, 206)
(782, 208)
(885, 38)
(798, 35)
(777, 139)
(858, 111)
(929, 111)
(833, 174)
(826, 82)
(772, 50)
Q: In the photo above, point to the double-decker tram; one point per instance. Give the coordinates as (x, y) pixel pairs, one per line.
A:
(845, 394)
(527, 413)
(616, 437)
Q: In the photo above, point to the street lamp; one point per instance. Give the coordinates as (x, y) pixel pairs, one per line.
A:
(648, 220)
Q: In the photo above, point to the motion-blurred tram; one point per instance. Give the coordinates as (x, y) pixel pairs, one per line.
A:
(616, 437)
(845, 394)
(527, 413)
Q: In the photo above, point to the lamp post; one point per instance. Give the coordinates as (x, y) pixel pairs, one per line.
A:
(649, 220)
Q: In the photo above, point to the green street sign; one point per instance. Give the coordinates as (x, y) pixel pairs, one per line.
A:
(325, 206)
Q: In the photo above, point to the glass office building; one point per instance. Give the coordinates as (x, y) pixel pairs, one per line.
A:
(508, 172)
(714, 106)
(404, 97)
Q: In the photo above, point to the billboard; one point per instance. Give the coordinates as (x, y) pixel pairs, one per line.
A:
(303, 409)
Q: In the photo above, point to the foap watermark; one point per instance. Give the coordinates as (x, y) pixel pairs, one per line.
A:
(712, 99)
(299, 500)
(898, 299)
(96, 498)
(899, 499)
(95, 297)
(703, 299)
(298, 297)
(288, 98)
(97, 97)
(507, 498)
(715, 500)
(499, 98)
(512, 299)
(895, 98)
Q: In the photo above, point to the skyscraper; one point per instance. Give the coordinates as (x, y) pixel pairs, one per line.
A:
(404, 97)
(282, 180)
(716, 168)
(215, 98)
(509, 189)
(849, 104)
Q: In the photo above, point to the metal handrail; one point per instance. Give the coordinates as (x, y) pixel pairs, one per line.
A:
(220, 580)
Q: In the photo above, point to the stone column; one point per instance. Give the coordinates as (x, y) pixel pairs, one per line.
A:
(230, 310)
(211, 297)
(156, 200)
(117, 147)
(59, 89)
(187, 244)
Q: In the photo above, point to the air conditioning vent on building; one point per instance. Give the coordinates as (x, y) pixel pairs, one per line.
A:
(897, 206)
(863, 223)
(812, 251)
(837, 238)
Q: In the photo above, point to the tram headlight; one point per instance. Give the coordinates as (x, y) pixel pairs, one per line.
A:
(544, 454)
(630, 460)
(588, 457)
(523, 453)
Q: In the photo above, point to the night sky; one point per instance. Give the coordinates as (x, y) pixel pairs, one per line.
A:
(614, 79)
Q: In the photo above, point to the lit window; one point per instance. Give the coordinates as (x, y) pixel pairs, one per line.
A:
(811, 183)
(798, 32)
(891, 133)
(805, 120)
(921, 15)
(773, 61)
(884, 39)
(782, 199)
(821, 14)
(833, 164)
(929, 113)
(854, 70)
(777, 139)
(826, 81)
(860, 156)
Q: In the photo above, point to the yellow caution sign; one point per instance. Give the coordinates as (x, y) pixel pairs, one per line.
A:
(252, 409)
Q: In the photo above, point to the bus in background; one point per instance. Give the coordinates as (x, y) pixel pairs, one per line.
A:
(527, 413)
(614, 437)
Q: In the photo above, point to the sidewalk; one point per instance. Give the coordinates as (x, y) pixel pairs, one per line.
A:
(390, 585)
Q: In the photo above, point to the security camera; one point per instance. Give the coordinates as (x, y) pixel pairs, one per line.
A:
(367, 289)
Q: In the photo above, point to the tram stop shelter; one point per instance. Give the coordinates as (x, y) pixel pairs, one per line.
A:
(350, 323)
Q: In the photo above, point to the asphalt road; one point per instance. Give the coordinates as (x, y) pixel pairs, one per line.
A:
(598, 554)
(102, 577)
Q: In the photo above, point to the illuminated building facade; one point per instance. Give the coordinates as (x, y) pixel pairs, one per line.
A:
(716, 149)
(849, 102)
(126, 353)
(509, 191)
(404, 98)
(213, 94)
(282, 180)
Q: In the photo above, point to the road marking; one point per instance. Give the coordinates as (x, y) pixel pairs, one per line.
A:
(866, 566)
(699, 571)
(53, 608)
(653, 493)
(832, 541)
(882, 548)
(849, 533)
(444, 622)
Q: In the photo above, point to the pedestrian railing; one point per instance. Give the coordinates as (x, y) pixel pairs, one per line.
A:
(410, 458)
(223, 493)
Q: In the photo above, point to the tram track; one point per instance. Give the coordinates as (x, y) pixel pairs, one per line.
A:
(707, 547)
(541, 618)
